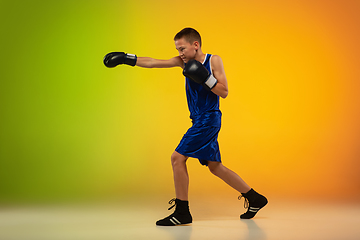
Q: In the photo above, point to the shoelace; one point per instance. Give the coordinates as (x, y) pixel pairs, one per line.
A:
(246, 201)
(171, 202)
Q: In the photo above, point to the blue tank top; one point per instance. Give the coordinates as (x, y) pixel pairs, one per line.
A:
(203, 104)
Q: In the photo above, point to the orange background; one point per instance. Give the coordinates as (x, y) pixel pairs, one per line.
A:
(73, 129)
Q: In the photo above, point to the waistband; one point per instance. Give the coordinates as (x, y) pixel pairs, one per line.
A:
(211, 118)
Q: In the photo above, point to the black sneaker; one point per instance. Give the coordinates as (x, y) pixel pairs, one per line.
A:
(180, 216)
(253, 202)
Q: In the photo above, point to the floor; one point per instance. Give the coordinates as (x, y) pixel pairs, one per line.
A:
(279, 220)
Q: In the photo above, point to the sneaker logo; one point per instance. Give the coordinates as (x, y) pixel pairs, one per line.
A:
(254, 209)
(174, 221)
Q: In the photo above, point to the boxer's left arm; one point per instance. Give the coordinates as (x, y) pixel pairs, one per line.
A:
(221, 88)
(147, 62)
(114, 59)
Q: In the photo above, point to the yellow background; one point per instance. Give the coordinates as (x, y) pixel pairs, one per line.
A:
(71, 129)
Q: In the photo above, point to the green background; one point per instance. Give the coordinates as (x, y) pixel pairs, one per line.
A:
(71, 129)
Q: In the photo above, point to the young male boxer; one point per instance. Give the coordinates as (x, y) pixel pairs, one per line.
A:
(205, 83)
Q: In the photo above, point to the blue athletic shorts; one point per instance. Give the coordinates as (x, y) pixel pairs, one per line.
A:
(200, 142)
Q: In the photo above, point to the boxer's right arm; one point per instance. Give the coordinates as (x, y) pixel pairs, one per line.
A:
(147, 62)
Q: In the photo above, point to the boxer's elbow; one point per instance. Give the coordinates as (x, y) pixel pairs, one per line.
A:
(220, 90)
(224, 93)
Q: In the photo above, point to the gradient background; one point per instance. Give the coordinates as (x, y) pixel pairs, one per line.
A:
(71, 129)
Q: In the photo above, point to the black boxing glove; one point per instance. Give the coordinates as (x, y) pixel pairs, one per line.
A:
(199, 74)
(116, 58)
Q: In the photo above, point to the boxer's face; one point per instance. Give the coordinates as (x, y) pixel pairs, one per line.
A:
(186, 50)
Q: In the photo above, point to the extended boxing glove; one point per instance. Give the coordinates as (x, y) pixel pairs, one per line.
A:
(199, 74)
(116, 58)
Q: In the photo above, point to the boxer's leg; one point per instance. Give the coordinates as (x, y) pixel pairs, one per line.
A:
(256, 201)
(181, 214)
(181, 176)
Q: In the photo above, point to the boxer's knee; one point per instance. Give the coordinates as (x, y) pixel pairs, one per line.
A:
(177, 159)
